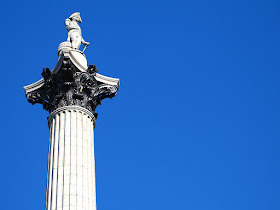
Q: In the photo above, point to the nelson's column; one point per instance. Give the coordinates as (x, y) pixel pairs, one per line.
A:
(70, 92)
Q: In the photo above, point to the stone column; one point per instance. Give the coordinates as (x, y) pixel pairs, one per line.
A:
(71, 167)
(70, 93)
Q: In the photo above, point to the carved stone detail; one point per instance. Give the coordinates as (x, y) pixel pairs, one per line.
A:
(71, 87)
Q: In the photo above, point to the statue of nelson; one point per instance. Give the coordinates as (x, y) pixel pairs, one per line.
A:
(74, 31)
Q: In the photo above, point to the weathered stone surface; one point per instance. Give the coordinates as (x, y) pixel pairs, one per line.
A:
(71, 164)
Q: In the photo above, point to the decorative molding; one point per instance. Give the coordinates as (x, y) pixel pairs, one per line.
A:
(67, 55)
(72, 108)
(67, 85)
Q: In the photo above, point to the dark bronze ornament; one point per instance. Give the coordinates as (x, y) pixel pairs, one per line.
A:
(71, 87)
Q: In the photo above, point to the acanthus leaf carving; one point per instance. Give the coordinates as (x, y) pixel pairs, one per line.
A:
(69, 86)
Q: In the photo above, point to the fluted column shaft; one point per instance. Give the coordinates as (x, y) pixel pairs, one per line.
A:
(71, 164)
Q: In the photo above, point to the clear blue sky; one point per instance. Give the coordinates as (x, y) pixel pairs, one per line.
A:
(195, 124)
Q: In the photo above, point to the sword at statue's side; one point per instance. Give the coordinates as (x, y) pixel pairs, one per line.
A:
(84, 48)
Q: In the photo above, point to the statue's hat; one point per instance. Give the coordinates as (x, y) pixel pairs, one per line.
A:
(76, 14)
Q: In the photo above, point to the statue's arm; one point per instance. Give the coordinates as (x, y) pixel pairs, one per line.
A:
(68, 37)
(67, 23)
(84, 42)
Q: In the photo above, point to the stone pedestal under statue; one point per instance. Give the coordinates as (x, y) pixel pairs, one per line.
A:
(70, 92)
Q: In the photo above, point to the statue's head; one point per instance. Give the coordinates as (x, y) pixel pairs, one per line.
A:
(76, 16)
